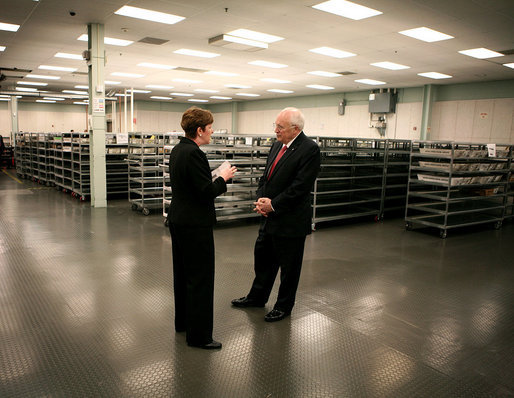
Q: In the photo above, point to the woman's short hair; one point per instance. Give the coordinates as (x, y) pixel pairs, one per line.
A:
(193, 118)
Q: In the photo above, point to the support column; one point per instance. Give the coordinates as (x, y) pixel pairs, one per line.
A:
(234, 118)
(426, 116)
(96, 110)
(13, 108)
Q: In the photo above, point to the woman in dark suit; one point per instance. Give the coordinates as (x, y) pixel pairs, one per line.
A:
(191, 218)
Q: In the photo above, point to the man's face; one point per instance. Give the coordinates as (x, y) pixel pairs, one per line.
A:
(284, 130)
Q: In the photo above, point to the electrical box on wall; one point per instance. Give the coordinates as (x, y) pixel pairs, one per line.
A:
(382, 103)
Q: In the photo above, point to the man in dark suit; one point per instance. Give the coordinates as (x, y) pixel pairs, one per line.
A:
(284, 201)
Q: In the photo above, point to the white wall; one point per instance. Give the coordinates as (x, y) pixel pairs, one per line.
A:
(157, 121)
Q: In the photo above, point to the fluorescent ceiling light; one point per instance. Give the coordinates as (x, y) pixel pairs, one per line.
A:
(197, 100)
(187, 81)
(195, 53)
(75, 92)
(139, 91)
(84, 87)
(267, 64)
(253, 35)
(121, 95)
(319, 87)
(237, 86)
(182, 94)
(220, 98)
(481, 53)
(32, 83)
(426, 34)
(111, 82)
(276, 90)
(324, 74)
(59, 68)
(43, 77)
(54, 98)
(435, 75)
(216, 73)
(332, 52)
(160, 98)
(248, 95)
(156, 66)
(47, 101)
(26, 89)
(5, 99)
(109, 40)
(80, 103)
(219, 40)
(390, 65)
(203, 90)
(68, 56)
(370, 82)
(159, 87)
(2, 48)
(9, 27)
(149, 15)
(511, 65)
(124, 74)
(271, 80)
(346, 9)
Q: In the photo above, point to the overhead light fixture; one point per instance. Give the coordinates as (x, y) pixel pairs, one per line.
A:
(149, 15)
(332, 52)
(80, 103)
(75, 92)
(197, 100)
(124, 74)
(426, 34)
(139, 91)
(481, 53)
(236, 86)
(511, 65)
(160, 98)
(32, 83)
(187, 81)
(324, 74)
(2, 48)
(195, 53)
(434, 75)
(217, 73)
(43, 77)
(159, 87)
(271, 80)
(68, 56)
(121, 95)
(9, 27)
(4, 99)
(111, 82)
(47, 101)
(30, 89)
(253, 35)
(109, 40)
(156, 66)
(267, 64)
(370, 82)
(320, 87)
(390, 65)
(59, 68)
(237, 43)
(248, 95)
(347, 9)
(83, 87)
(220, 97)
(182, 94)
(203, 90)
(54, 98)
(276, 90)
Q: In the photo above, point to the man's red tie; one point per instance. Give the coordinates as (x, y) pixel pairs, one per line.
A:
(282, 151)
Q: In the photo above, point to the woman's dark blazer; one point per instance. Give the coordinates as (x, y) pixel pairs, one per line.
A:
(192, 188)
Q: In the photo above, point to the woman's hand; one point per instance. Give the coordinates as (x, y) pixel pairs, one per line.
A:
(227, 174)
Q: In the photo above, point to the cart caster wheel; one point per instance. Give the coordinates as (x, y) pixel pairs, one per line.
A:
(82, 198)
(146, 211)
(497, 225)
(313, 227)
(134, 207)
(408, 226)
(443, 234)
(166, 223)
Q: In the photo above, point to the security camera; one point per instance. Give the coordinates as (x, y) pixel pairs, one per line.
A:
(73, 13)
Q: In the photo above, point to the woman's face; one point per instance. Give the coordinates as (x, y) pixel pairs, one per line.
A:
(204, 135)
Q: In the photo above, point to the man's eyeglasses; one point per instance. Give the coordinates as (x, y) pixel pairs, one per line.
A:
(281, 128)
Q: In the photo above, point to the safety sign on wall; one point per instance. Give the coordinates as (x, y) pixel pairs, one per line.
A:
(98, 104)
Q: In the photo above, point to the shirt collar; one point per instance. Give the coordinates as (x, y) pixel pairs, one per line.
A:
(290, 142)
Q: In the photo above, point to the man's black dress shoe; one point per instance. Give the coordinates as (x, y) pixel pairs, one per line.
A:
(246, 302)
(213, 345)
(276, 315)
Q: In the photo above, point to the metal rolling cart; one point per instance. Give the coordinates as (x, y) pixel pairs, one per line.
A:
(81, 181)
(454, 185)
(116, 167)
(509, 206)
(21, 154)
(396, 175)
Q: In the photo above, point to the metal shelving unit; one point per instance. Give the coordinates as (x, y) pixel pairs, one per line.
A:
(509, 206)
(396, 176)
(454, 185)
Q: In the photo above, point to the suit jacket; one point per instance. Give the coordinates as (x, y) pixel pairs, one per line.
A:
(290, 187)
(192, 188)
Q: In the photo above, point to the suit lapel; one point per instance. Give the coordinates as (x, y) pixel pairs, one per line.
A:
(286, 155)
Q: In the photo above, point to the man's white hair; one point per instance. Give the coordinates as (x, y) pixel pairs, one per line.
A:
(295, 117)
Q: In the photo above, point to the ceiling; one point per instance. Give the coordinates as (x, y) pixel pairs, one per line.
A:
(47, 28)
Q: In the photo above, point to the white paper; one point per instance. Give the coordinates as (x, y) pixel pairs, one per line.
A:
(217, 171)
(491, 150)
